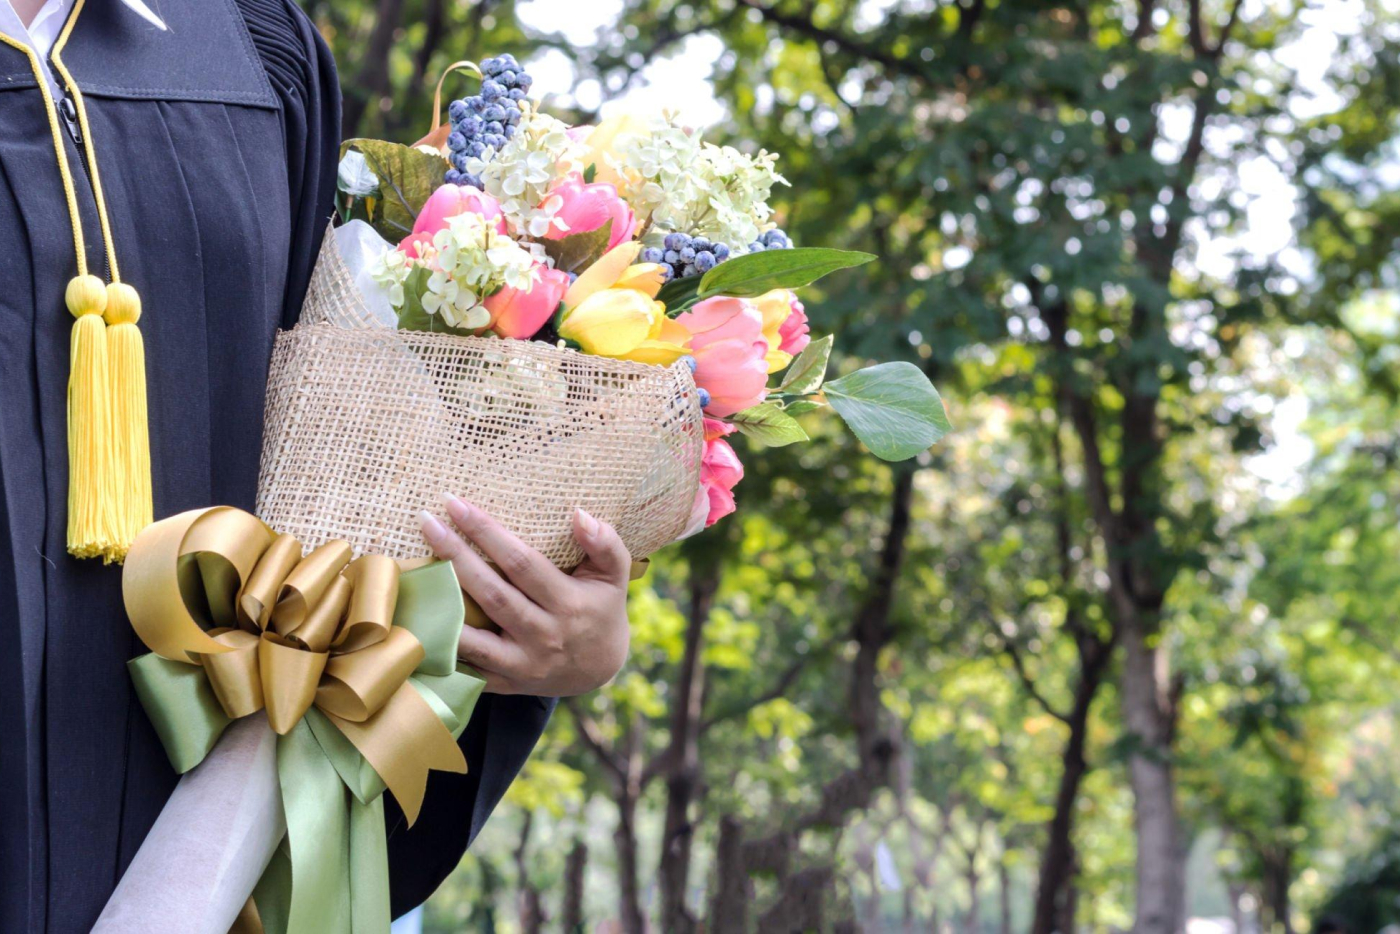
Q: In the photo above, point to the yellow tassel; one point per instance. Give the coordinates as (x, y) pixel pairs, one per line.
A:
(89, 483)
(130, 442)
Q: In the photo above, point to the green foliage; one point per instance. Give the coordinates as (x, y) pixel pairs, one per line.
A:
(407, 177)
(892, 407)
(769, 425)
(752, 274)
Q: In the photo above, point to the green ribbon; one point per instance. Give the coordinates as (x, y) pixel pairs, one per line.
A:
(331, 872)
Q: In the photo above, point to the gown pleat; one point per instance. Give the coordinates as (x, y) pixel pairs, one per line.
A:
(217, 143)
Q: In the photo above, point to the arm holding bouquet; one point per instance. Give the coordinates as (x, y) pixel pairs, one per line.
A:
(561, 634)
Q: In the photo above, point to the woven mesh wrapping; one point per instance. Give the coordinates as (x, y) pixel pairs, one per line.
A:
(366, 426)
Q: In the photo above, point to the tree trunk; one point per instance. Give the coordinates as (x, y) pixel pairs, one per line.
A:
(1148, 716)
(1004, 894)
(972, 924)
(628, 862)
(1278, 879)
(683, 757)
(531, 905)
(575, 871)
(729, 907)
(1054, 899)
(372, 80)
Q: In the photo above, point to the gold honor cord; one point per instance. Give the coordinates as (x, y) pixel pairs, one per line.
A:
(109, 460)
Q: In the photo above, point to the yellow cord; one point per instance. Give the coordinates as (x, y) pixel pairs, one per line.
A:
(93, 172)
(109, 470)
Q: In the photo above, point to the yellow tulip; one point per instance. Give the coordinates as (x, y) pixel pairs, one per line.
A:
(607, 139)
(603, 274)
(647, 278)
(625, 324)
(775, 306)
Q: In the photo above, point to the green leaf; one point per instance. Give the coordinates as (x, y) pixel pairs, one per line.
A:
(755, 273)
(407, 178)
(413, 316)
(678, 294)
(576, 252)
(590, 173)
(809, 369)
(768, 424)
(892, 407)
(802, 406)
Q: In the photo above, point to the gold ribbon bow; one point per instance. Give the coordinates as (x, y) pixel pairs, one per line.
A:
(278, 631)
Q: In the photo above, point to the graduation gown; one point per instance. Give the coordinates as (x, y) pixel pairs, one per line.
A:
(217, 144)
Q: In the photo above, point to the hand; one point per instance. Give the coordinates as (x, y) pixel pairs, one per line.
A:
(561, 634)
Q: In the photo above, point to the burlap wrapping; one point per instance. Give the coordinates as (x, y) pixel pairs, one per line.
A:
(364, 426)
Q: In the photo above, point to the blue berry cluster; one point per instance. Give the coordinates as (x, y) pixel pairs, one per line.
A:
(486, 119)
(773, 239)
(683, 255)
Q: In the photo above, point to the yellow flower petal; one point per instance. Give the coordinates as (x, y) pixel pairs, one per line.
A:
(778, 360)
(660, 353)
(774, 306)
(647, 278)
(612, 322)
(602, 274)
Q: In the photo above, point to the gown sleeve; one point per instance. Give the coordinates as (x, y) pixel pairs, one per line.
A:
(503, 730)
(303, 77)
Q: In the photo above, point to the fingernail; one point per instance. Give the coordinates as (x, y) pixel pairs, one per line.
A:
(457, 508)
(590, 524)
(433, 529)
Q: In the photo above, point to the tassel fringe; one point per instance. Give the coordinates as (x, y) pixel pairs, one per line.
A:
(89, 480)
(129, 441)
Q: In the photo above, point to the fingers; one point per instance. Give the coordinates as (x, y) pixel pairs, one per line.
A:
(527, 568)
(502, 603)
(500, 660)
(608, 559)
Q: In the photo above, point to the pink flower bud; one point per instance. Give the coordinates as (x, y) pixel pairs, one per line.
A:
(520, 314)
(794, 330)
(586, 207)
(447, 202)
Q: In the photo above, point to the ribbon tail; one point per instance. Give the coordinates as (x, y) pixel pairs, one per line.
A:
(273, 893)
(369, 868)
(403, 741)
(318, 835)
(182, 707)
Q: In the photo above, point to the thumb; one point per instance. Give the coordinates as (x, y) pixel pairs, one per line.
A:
(608, 559)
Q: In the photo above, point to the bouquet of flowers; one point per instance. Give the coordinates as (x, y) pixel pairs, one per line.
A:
(633, 240)
(535, 316)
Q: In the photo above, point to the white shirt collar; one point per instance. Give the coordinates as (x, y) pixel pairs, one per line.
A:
(42, 33)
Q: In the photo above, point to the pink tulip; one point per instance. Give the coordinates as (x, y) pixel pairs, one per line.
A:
(720, 471)
(794, 330)
(721, 504)
(520, 314)
(730, 353)
(587, 207)
(447, 202)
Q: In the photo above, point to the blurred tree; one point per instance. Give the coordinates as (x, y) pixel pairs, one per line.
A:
(1081, 590)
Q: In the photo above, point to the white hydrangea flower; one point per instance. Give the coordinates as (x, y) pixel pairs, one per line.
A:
(675, 181)
(391, 271)
(469, 260)
(537, 157)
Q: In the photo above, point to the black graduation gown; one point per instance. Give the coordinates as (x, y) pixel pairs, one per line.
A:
(217, 145)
